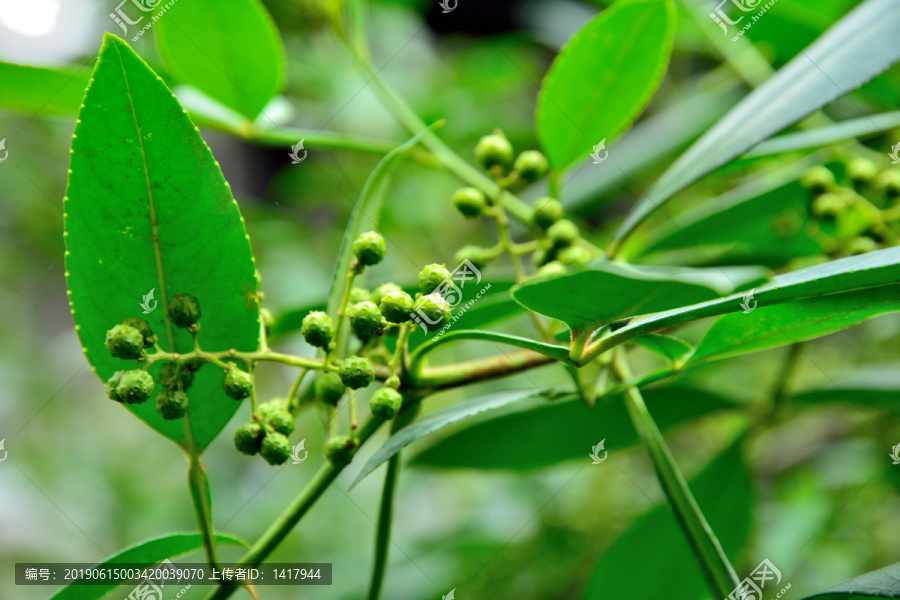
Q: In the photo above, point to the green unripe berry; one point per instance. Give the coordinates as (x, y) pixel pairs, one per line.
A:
(434, 307)
(818, 180)
(889, 181)
(356, 372)
(861, 245)
(574, 255)
(827, 206)
(494, 151)
(383, 289)
(478, 256)
(184, 310)
(238, 384)
(339, 450)
(396, 306)
(171, 404)
(365, 320)
(431, 278)
(542, 256)
(144, 327)
(563, 233)
(177, 375)
(358, 295)
(134, 386)
(547, 211)
(531, 165)
(125, 342)
(281, 421)
(249, 437)
(385, 403)
(552, 269)
(275, 448)
(112, 385)
(369, 248)
(861, 171)
(317, 329)
(329, 388)
(470, 202)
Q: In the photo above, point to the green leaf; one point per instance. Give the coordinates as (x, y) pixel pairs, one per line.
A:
(654, 543)
(149, 553)
(147, 209)
(783, 324)
(562, 430)
(435, 421)
(871, 385)
(622, 55)
(231, 51)
(883, 583)
(845, 130)
(607, 291)
(35, 90)
(670, 348)
(871, 270)
(853, 51)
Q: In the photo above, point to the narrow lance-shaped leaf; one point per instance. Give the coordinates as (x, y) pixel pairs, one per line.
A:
(853, 51)
(603, 77)
(883, 583)
(147, 210)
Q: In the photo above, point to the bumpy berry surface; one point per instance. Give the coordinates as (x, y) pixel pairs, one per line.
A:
(124, 341)
(369, 248)
(317, 329)
(385, 403)
(184, 310)
(356, 372)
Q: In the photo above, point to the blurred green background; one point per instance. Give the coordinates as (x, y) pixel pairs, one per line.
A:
(84, 479)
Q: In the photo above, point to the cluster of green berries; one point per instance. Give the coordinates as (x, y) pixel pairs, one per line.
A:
(850, 209)
(267, 434)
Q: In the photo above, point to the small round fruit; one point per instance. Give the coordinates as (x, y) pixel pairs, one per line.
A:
(434, 307)
(431, 277)
(124, 341)
(551, 269)
(184, 310)
(478, 256)
(861, 245)
(359, 294)
(171, 404)
(385, 403)
(531, 165)
(383, 289)
(356, 372)
(563, 233)
(889, 181)
(281, 421)
(470, 202)
(396, 306)
(329, 388)
(275, 448)
(144, 327)
(238, 384)
(574, 255)
(365, 319)
(176, 375)
(134, 386)
(369, 248)
(112, 385)
(818, 180)
(249, 437)
(827, 206)
(317, 329)
(547, 211)
(339, 450)
(493, 151)
(861, 171)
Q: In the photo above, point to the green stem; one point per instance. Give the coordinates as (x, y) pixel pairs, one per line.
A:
(482, 369)
(718, 572)
(200, 495)
(383, 531)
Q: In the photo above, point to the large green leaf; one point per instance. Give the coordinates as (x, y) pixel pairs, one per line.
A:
(603, 77)
(41, 91)
(872, 385)
(883, 583)
(771, 326)
(655, 544)
(813, 138)
(607, 291)
(147, 209)
(440, 419)
(853, 51)
(871, 270)
(229, 50)
(148, 553)
(562, 430)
